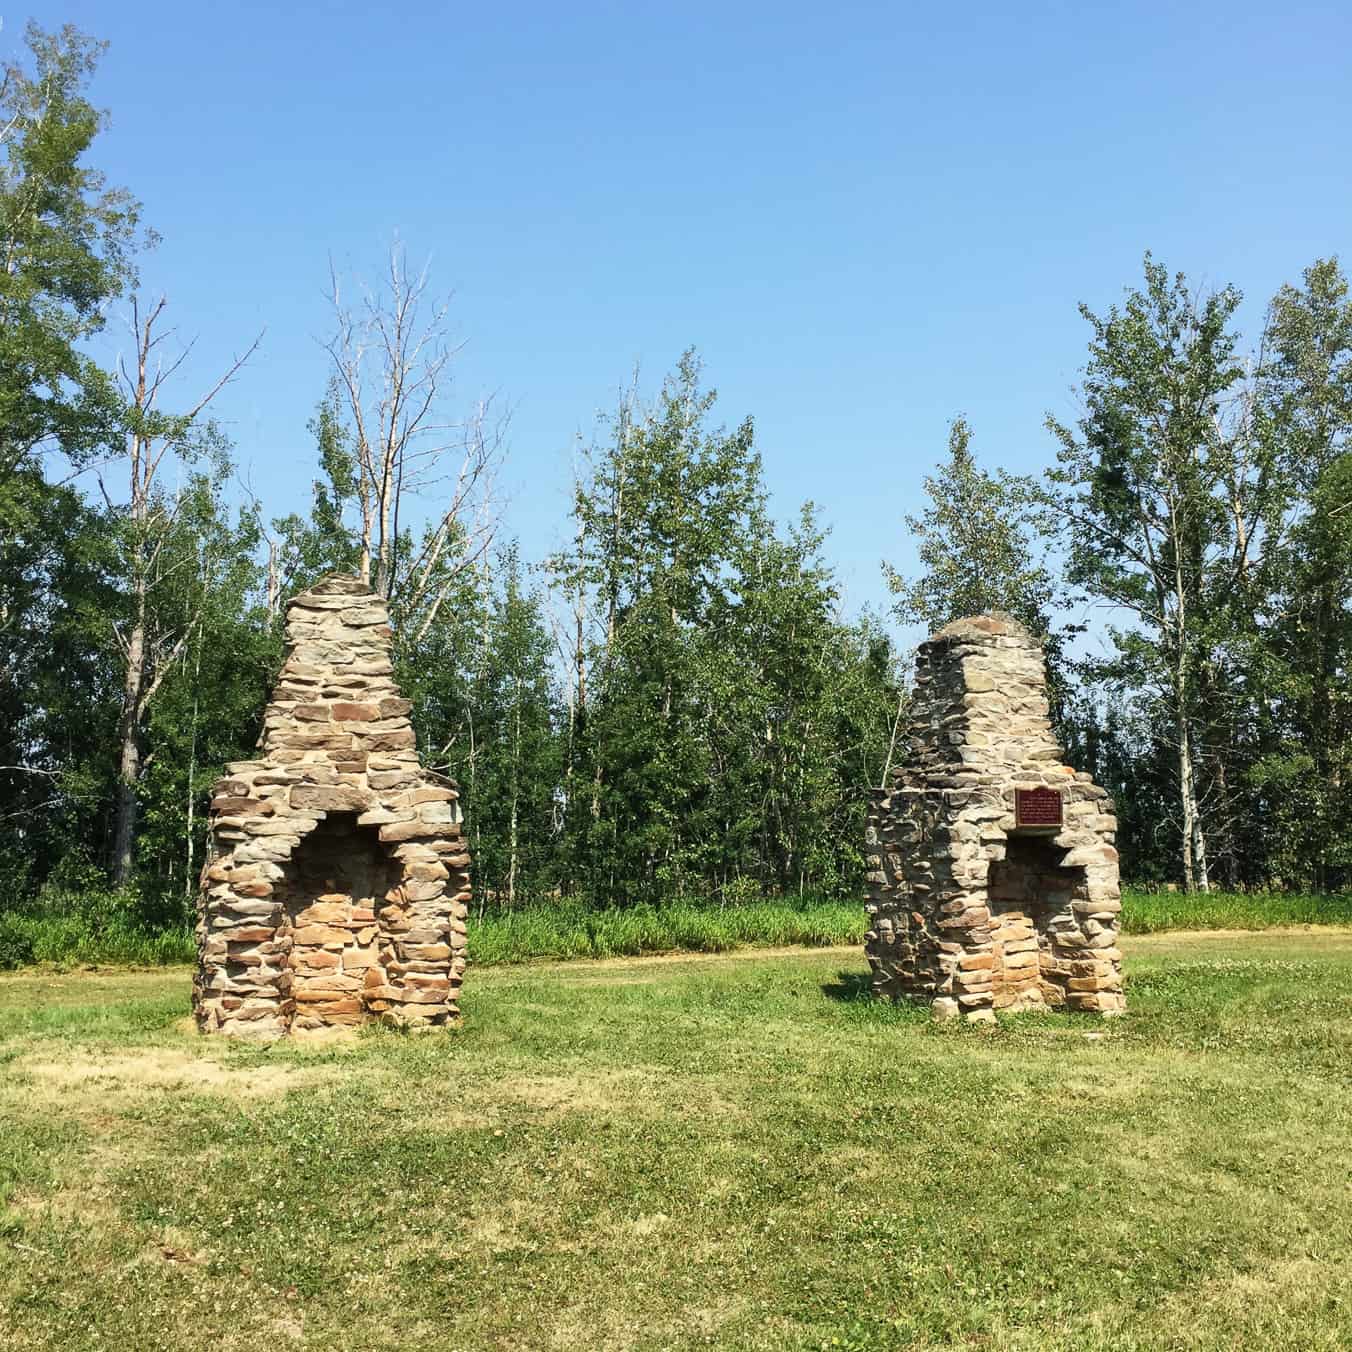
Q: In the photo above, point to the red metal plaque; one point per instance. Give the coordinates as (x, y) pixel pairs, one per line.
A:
(1037, 807)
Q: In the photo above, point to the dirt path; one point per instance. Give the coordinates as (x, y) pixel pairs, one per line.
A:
(1334, 932)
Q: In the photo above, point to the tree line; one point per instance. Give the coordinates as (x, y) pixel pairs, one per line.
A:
(675, 704)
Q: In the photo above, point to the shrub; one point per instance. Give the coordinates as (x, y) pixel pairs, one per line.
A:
(16, 943)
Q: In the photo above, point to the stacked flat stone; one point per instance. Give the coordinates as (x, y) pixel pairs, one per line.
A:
(967, 911)
(336, 887)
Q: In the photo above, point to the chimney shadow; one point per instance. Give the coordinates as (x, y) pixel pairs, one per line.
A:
(850, 988)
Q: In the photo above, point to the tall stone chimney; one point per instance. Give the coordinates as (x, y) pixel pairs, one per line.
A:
(993, 879)
(337, 885)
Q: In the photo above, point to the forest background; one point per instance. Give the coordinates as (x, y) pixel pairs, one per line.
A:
(676, 704)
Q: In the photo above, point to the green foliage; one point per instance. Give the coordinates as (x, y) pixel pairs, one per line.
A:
(1149, 912)
(16, 943)
(486, 710)
(729, 719)
(209, 707)
(66, 925)
(75, 918)
(1161, 495)
(1231, 548)
(1303, 763)
(58, 691)
(80, 939)
(325, 541)
(983, 546)
(979, 545)
(66, 239)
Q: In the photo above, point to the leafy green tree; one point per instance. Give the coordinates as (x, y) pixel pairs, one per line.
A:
(979, 547)
(727, 721)
(66, 239)
(1161, 500)
(660, 523)
(801, 719)
(210, 703)
(1116, 737)
(58, 694)
(1305, 411)
(303, 548)
(983, 546)
(508, 756)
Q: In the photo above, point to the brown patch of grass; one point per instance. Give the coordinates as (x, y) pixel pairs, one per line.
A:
(77, 1075)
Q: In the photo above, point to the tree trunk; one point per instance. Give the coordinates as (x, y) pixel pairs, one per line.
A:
(1321, 722)
(383, 581)
(148, 655)
(516, 795)
(129, 752)
(1199, 855)
(1194, 841)
(1194, 838)
(189, 881)
(274, 582)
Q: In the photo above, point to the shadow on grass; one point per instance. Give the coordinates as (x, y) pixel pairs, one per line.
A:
(850, 988)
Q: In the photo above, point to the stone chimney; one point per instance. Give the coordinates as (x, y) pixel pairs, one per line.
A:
(336, 888)
(992, 880)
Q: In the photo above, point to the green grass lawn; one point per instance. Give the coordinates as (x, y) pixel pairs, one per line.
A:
(737, 1151)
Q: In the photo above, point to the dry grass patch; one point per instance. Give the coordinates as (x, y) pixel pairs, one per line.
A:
(76, 1077)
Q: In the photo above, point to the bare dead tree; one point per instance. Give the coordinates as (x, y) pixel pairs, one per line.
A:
(148, 653)
(393, 358)
(273, 578)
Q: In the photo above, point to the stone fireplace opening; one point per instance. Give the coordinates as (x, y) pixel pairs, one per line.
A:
(1027, 890)
(332, 890)
(992, 874)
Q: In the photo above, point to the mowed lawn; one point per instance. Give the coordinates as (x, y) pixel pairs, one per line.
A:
(732, 1151)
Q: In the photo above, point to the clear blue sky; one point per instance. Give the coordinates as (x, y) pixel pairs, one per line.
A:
(867, 218)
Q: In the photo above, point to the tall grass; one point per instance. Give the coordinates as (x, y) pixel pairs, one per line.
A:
(572, 930)
(1150, 912)
(73, 940)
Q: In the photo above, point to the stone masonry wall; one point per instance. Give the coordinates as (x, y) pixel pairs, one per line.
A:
(967, 911)
(336, 888)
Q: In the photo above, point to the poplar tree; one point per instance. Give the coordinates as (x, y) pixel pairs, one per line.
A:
(66, 240)
(804, 716)
(1161, 504)
(66, 247)
(660, 520)
(1305, 773)
(978, 544)
(731, 721)
(515, 709)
